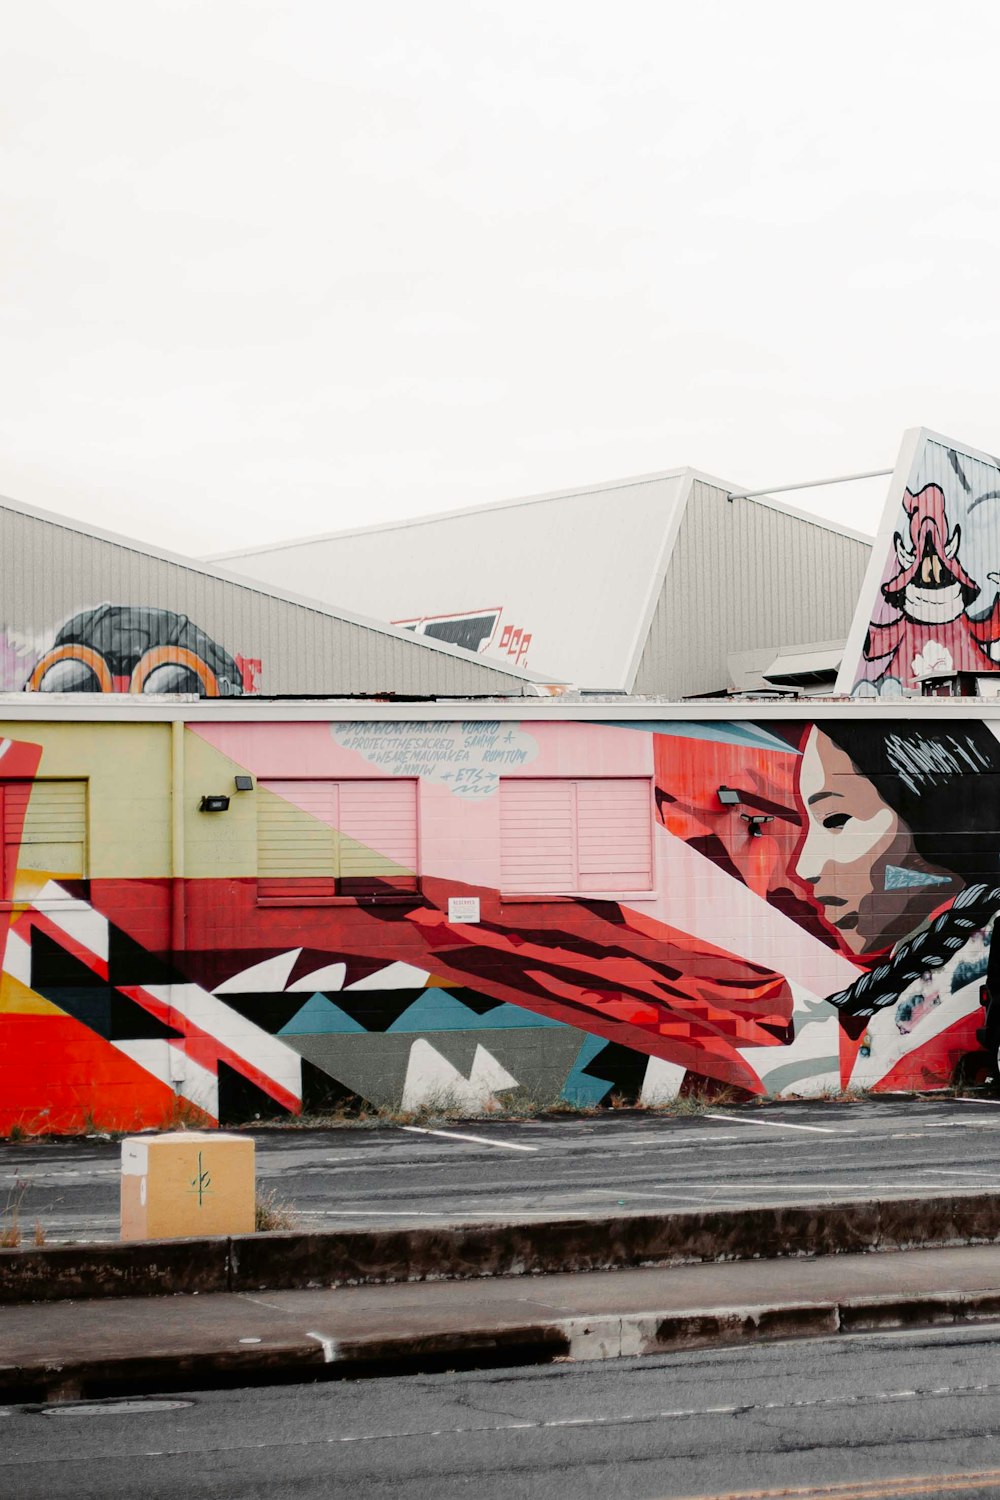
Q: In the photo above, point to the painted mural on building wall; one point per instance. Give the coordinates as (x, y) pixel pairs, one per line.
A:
(399, 915)
(126, 648)
(478, 630)
(938, 608)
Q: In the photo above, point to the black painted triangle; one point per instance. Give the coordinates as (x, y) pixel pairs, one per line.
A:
(375, 1010)
(88, 1003)
(241, 1102)
(269, 1011)
(130, 963)
(622, 1068)
(323, 1095)
(132, 1023)
(52, 964)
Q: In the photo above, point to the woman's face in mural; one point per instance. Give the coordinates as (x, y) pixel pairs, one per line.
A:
(858, 857)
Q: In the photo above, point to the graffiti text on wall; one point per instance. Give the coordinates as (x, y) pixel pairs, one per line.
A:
(467, 758)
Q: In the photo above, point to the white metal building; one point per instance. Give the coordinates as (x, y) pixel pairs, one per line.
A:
(641, 586)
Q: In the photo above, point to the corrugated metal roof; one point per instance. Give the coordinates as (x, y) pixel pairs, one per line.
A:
(578, 574)
(562, 582)
(404, 524)
(744, 575)
(58, 576)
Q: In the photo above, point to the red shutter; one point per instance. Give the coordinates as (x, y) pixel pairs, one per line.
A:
(44, 833)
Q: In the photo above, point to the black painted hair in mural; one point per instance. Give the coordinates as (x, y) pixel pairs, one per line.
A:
(944, 783)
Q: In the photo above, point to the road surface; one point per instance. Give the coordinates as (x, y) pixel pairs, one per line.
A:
(558, 1167)
(887, 1415)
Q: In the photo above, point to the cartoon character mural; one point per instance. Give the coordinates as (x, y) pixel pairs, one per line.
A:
(843, 941)
(934, 614)
(933, 631)
(126, 648)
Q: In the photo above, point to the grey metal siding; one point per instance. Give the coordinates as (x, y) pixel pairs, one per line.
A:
(50, 572)
(744, 575)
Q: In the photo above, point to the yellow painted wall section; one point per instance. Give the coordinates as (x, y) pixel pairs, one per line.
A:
(127, 770)
(217, 845)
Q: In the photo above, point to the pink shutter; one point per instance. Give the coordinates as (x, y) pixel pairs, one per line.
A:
(614, 835)
(378, 845)
(537, 845)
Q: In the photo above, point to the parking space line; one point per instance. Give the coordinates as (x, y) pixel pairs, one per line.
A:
(478, 1140)
(952, 1172)
(369, 1213)
(706, 1200)
(775, 1124)
(959, 1099)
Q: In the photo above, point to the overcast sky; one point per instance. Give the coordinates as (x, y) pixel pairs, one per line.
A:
(271, 267)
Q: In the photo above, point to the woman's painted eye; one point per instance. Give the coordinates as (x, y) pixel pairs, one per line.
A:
(836, 820)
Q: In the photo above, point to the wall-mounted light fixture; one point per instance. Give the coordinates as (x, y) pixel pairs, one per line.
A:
(728, 796)
(244, 783)
(755, 822)
(214, 804)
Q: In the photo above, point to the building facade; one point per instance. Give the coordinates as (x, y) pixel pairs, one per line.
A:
(225, 911)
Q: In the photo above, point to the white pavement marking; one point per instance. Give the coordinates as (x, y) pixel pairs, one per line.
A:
(681, 1413)
(959, 1099)
(329, 1346)
(464, 1215)
(952, 1172)
(368, 1213)
(478, 1140)
(776, 1124)
(706, 1199)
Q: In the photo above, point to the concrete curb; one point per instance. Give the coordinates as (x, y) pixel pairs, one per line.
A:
(604, 1337)
(416, 1252)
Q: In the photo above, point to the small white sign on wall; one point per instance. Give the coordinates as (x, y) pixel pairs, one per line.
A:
(463, 908)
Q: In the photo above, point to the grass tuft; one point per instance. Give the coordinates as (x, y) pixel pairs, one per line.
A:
(10, 1215)
(271, 1212)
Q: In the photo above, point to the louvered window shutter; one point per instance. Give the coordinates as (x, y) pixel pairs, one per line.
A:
(537, 835)
(614, 835)
(575, 836)
(320, 839)
(378, 837)
(296, 840)
(44, 832)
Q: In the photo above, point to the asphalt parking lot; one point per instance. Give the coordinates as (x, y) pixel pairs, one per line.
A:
(557, 1167)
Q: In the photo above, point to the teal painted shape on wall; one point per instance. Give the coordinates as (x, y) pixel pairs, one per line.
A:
(440, 1010)
(897, 878)
(580, 1088)
(320, 1017)
(512, 1015)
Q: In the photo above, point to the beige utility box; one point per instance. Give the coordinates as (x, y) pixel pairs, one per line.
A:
(188, 1182)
